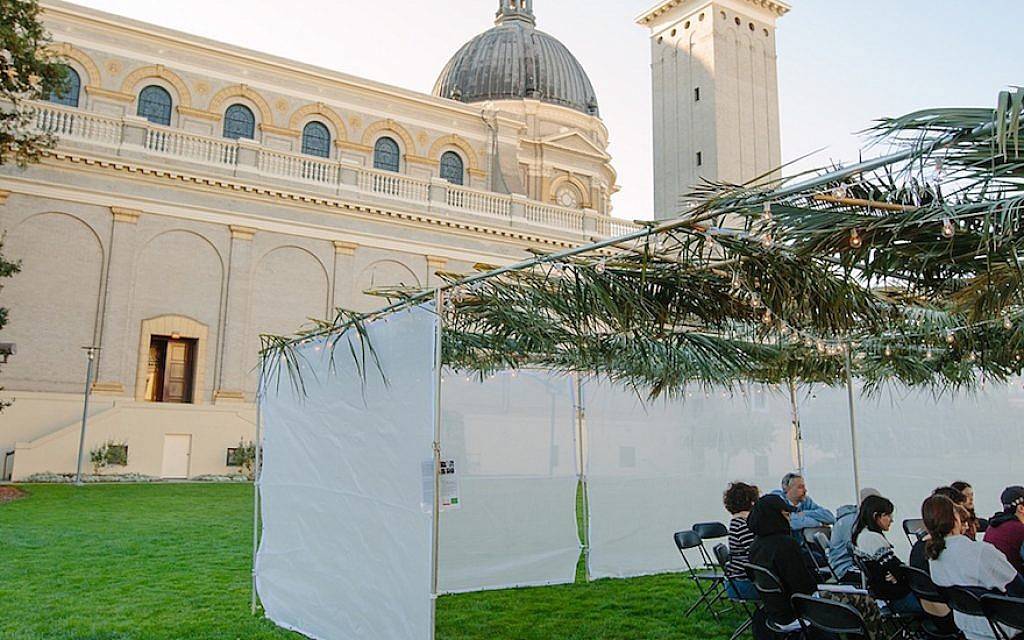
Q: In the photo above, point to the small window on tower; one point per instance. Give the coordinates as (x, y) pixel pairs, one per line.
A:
(696, 94)
(700, 159)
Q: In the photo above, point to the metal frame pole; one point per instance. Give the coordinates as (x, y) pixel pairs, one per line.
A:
(798, 434)
(581, 421)
(91, 353)
(853, 425)
(436, 511)
(256, 487)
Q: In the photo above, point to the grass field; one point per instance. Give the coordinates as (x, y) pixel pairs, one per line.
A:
(163, 562)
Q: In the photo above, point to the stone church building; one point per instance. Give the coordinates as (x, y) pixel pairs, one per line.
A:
(201, 194)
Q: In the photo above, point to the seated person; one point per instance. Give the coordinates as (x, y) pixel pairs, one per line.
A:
(956, 560)
(1006, 528)
(918, 557)
(739, 499)
(775, 549)
(808, 515)
(840, 557)
(885, 577)
(972, 526)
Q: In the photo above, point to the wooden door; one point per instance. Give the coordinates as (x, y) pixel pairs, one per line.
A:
(178, 371)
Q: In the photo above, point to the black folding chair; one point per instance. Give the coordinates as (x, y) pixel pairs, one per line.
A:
(722, 555)
(709, 583)
(900, 624)
(967, 600)
(914, 529)
(926, 591)
(982, 525)
(836, 618)
(821, 542)
(1004, 611)
(769, 587)
(709, 531)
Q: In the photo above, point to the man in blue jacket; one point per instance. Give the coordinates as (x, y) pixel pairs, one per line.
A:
(809, 514)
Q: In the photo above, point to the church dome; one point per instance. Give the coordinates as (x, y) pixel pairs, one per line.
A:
(515, 60)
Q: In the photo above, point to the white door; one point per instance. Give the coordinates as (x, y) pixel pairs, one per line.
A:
(177, 450)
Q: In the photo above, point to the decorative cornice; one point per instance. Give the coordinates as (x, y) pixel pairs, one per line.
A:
(241, 233)
(100, 92)
(280, 131)
(436, 262)
(367, 211)
(199, 113)
(343, 248)
(354, 146)
(646, 18)
(131, 216)
(477, 173)
(430, 162)
(4, 194)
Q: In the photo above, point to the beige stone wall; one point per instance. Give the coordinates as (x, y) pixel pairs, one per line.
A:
(120, 243)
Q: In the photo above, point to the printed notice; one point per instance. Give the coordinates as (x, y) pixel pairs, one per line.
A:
(449, 481)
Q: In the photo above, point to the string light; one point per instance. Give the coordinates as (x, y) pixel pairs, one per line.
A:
(767, 241)
(971, 357)
(948, 230)
(888, 352)
(767, 317)
(855, 240)
(928, 355)
(599, 268)
(768, 211)
(1007, 323)
(950, 338)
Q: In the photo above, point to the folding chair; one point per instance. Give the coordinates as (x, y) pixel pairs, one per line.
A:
(836, 618)
(982, 525)
(820, 540)
(900, 621)
(914, 529)
(723, 556)
(769, 587)
(709, 531)
(710, 584)
(926, 591)
(967, 600)
(1004, 611)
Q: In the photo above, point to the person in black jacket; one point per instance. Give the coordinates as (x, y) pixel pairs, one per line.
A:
(776, 550)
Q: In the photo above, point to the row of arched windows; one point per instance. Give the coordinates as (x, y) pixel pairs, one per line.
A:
(155, 105)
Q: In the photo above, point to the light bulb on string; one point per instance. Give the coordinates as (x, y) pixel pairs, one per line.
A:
(972, 356)
(855, 240)
(767, 211)
(928, 355)
(767, 241)
(888, 351)
(599, 268)
(767, 317)
(1007, 323)
(950, 338)
(948, 230)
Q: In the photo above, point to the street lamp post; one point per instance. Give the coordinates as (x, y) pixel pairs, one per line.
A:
(91, 353)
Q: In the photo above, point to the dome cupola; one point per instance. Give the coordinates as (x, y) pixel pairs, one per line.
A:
(514, 61)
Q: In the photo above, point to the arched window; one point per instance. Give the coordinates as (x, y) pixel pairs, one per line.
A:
(316, 140)
(386, 155)
(68, 94)
(239, 122)
(155, 105)
(452, 168)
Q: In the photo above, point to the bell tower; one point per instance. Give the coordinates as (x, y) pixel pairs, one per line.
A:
(715, 94)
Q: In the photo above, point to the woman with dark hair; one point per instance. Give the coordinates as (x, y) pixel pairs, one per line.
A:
(739, 499)
(956, 560)
(967, 491)
(884, 569)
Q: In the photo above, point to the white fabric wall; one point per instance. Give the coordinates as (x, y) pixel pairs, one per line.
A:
(911, 442)
(513, 440)
(657, 468)
(346, 540)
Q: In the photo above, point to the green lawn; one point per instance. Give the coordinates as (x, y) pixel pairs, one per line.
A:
(157, 562)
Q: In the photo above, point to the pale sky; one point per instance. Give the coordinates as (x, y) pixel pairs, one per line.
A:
(842, 63)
